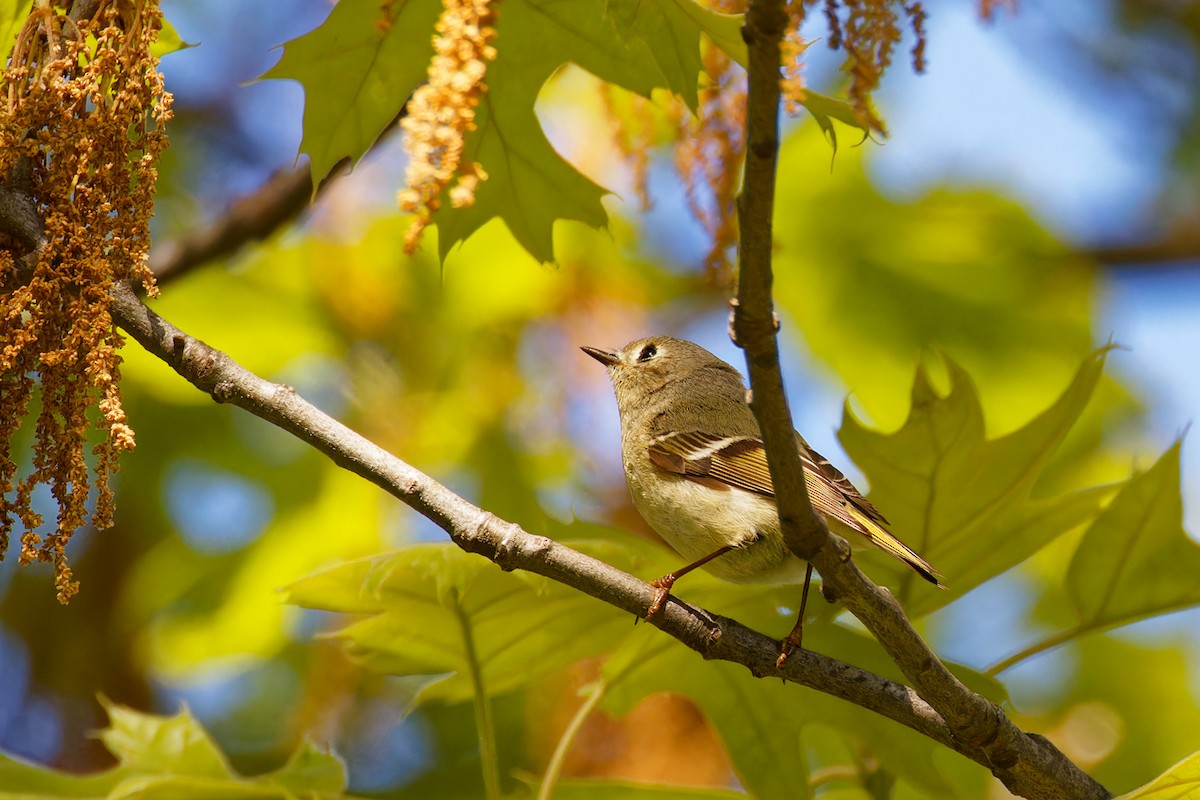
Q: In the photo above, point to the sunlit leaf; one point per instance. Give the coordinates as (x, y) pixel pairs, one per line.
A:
(172, 757)
(669, 28)
(168, 41)
(146, 743)
(960, 499)
(311, 769)
(825, 110)
(1136, 560)
(1178, 783)
(435, 610)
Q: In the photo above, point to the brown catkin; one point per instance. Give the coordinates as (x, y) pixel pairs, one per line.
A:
(84, 126)
(442, 112)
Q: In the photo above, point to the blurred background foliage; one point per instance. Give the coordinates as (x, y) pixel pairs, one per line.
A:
(1038, 195)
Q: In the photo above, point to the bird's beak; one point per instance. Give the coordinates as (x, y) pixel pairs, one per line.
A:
(606, 357)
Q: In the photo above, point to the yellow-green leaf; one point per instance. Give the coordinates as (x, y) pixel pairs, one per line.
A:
(825, 110)
(963, 500)
(168, 41)
(357, 69)
(173, 757)
(1136, 560)
(434, 610)
(1180, 782)
(148, 743)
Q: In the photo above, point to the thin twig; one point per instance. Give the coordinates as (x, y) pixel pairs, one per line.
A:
(1028, 765)
(284, 196)
(591, 701)
(485, 727)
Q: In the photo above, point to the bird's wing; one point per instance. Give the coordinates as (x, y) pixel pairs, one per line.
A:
(741, 462)
(814, 460)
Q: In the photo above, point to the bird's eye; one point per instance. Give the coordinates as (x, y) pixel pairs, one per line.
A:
(648, 352)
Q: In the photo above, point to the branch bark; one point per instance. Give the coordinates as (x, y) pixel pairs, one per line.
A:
(1028, 765)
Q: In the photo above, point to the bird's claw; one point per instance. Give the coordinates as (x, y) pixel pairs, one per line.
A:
(734, 305)
(790, 645)
(662, 588)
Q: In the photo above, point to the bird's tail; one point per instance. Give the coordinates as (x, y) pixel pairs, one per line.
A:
(884, 540)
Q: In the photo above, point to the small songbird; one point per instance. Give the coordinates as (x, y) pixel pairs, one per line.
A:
(697, 470)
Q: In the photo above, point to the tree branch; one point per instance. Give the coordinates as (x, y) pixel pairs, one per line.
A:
(1028, 765)
(1179, 249)
(284, 196)
(278, 201)
(478, 531)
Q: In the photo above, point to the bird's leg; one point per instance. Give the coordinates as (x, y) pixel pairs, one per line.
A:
(793, 640)
(664, 584)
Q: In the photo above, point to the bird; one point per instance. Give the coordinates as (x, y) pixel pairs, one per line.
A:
(697, 472)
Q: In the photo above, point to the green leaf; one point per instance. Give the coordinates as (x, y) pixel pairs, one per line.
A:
(668, 28)
(963, 500)
(639, 46)
(358, 69)
(23, 781)
(168, 41)
(172, 757)
(148, 743)
(1136, 560)
(311, 769)
(725, 30)
(360, 66)
(434, 610)
(1178, 783)
(825, 110)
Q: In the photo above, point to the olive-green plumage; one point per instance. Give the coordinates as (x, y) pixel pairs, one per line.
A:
(697, 470)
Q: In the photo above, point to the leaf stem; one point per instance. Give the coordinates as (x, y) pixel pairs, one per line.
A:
(595, 693)
(1033, 649)
(484, 725)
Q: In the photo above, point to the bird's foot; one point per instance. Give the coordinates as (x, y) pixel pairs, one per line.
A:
(663, 589)
(734, 305)
(789, 645)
